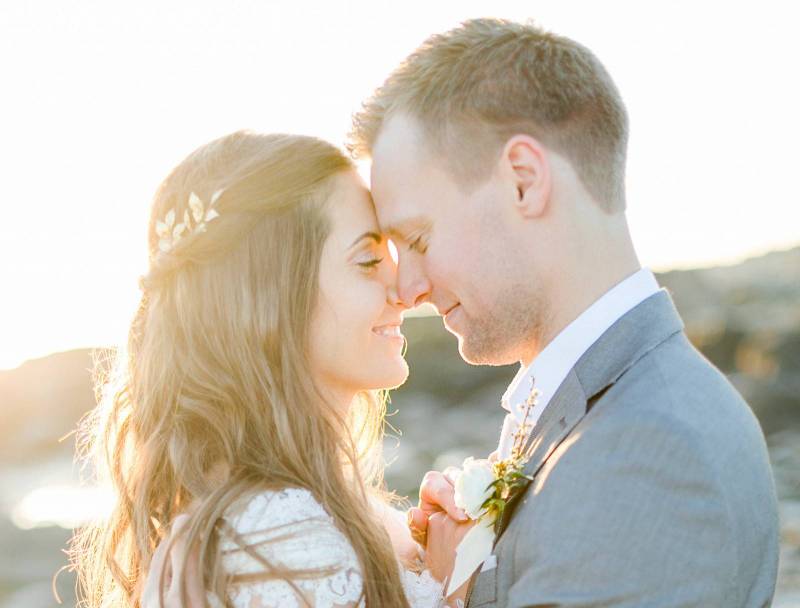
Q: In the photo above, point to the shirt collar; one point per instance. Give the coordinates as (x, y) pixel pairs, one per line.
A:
(554, 362)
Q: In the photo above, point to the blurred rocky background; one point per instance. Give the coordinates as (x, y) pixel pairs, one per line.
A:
(745, 318)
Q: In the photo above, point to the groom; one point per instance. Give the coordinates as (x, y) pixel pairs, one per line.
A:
(498, 169)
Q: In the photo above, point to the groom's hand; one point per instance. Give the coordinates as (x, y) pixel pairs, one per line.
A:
(444, 535)
(436, 495)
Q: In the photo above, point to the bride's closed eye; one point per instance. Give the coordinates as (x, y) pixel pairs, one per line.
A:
(369, 264)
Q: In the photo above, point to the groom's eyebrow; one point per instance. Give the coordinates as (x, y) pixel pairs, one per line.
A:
(367, 235)
(400, 230)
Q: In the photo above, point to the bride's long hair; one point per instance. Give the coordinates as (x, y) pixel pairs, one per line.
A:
(215, 376)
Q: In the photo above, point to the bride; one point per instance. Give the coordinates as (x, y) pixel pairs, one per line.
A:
(241, 429)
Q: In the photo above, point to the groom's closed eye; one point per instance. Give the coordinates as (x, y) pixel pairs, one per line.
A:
(411, 233)
(418, 245)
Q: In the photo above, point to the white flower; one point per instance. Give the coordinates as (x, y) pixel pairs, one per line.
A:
(472, 486)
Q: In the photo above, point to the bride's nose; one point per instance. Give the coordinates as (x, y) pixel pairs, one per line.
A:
(392, 296)
(390, 281)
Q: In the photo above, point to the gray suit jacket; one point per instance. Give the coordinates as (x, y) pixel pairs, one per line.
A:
(652, 484)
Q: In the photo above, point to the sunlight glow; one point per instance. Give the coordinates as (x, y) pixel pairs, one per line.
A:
(108, 97)
(67, 506)
(392, 250)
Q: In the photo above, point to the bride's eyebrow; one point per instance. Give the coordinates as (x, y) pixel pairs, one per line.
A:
(367, 235)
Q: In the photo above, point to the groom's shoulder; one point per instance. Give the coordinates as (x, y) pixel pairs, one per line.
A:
(669, 446)
(674, 398)
(676, 384)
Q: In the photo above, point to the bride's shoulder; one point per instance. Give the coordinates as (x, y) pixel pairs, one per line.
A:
(288, 529)
(289, 525)
(275, 507)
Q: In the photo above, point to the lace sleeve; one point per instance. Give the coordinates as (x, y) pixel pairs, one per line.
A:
(422, 590)
(289, 530)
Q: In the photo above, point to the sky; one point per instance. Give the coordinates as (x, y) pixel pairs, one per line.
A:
(102, 98)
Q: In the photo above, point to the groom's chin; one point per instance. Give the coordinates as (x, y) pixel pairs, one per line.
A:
(476, 350)
(473, 355)
(473, 345)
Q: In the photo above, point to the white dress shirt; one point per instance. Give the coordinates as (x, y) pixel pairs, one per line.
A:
(555, 361)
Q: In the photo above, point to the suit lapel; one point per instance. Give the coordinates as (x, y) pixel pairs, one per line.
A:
(564, 411)
(634, 335)
(623, 344)
(638, 332)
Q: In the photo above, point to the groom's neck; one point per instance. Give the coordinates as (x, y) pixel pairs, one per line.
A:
(589, 273)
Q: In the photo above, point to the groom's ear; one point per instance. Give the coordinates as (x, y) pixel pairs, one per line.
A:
(524, 162)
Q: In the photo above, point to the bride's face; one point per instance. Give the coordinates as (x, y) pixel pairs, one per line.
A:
(355, 341)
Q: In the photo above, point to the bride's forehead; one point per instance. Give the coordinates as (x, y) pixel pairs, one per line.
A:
(352, 214)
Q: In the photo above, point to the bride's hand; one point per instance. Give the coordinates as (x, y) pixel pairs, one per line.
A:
(436, 495)
(173, 573)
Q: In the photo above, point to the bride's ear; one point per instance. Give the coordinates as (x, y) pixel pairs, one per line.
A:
(525, 163)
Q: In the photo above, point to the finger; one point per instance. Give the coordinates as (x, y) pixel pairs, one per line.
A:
(417, 519)
(431, 479)
(194, 588)
(438, 519)
(437, 522)
(437, 494)
(176, 554)
(434, 485)
(418, 525)
(150, 593)
(451, 473)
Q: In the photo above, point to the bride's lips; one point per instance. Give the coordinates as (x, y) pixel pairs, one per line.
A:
(390, 330)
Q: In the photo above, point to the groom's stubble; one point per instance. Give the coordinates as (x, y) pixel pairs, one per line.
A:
(513, 329)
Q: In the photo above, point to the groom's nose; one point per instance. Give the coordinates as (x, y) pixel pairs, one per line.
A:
(413, 285)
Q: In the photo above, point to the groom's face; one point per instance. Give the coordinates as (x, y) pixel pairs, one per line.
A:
(455, 244)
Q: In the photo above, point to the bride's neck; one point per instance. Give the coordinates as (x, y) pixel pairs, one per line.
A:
(338, 397)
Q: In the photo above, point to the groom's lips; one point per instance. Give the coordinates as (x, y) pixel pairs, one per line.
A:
(449, 310)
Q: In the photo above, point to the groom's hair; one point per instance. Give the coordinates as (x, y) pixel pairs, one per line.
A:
(477, 85)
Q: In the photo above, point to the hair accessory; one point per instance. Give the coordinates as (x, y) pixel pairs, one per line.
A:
(170, 233)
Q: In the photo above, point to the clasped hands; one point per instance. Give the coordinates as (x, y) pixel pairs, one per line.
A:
(438, 525)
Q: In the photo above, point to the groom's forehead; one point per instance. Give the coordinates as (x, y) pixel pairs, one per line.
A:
(402, 227)
(400, 147)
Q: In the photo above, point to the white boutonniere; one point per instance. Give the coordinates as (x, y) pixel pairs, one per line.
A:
(482, 490)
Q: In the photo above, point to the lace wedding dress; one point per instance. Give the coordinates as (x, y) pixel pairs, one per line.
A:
(290, 528)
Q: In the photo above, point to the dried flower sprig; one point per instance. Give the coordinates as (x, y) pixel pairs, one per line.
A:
(508, 473)
(484, 502)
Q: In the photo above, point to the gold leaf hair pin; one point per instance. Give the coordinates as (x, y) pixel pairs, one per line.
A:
(169, 233)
